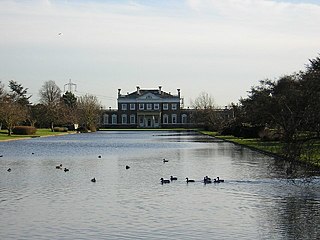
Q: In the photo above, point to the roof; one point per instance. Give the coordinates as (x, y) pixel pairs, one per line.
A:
(155, 92)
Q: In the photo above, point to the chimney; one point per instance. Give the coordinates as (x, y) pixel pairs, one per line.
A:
(178, 92)
(138, 90)
(160, 90)
(119, 92)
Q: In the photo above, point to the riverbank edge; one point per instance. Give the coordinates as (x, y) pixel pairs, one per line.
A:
(35, 136)
(271, 154)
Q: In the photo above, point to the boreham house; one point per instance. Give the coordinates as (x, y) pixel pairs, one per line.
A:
(147, 108)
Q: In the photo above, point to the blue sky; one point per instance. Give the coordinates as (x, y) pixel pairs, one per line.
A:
(222, 47)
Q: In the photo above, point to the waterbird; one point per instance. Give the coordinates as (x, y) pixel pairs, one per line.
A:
(66, 170)
(165, 160)
(173, 178)
(59, 166)
(9, 170)
(99, 156)
(206, 180)
(1, 155)
(93, 180)
(218, 180)
(189, 180)
(127, 167)
(164, 181)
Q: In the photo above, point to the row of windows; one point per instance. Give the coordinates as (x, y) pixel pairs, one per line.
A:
(148, 106)
(132, 119)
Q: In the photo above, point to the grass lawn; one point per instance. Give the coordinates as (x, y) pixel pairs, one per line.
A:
(40, 133)
(273, 147)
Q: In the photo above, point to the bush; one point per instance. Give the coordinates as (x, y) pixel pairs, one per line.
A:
(60, 129)
(24, 130)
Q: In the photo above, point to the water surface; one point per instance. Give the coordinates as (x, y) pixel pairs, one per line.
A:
(256, 201)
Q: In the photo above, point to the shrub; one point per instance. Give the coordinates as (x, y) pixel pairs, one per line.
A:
(60, 129)
(24, 130)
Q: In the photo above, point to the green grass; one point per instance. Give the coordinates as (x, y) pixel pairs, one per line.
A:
(273, 147)
(40, 133)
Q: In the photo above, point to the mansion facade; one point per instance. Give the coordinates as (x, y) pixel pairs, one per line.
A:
(147, 108)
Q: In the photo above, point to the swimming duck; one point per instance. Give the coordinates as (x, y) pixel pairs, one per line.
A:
(165, 160)
(99, 156)
(173, 178)
(66, 170)
(59, 166)
(206, 180)
(93, 180)
(9, 170)
(189, 180)
(127, 167)
(164, 181)
(218, 180)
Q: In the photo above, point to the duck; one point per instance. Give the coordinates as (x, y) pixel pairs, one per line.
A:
(66, 170)
(1, 155)
(165, 160)
(206, 180)
(173, 178)
(218, 180)
(59, 166)
(9, 170)
(164, 180)
(127, 167)
(189, 180)
(99, 156)
(93, 180)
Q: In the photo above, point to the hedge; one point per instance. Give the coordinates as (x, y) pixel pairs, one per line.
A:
(24, 130)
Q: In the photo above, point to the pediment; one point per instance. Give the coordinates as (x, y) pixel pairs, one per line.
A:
(148, 96)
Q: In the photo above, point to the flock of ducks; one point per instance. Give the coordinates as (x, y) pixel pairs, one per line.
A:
(206, 179)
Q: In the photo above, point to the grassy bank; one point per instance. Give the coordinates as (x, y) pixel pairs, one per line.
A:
(40, 133)
(268, 147)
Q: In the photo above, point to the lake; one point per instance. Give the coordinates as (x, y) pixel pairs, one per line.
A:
(256, 201)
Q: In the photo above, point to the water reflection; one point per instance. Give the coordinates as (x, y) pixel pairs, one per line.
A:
(257, 201)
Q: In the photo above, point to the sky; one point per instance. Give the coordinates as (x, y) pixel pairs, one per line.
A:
(220, 47)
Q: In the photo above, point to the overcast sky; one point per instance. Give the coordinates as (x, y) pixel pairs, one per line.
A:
(222, 47)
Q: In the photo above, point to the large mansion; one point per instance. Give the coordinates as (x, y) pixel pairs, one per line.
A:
(147, 108)
(150, 108)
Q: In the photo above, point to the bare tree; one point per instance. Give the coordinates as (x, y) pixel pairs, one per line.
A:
(50, 97)
(205, 114)
(89, 111)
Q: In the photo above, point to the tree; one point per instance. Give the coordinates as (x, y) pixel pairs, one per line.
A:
(89, 111)
(11, 113)
(204, 114)
(19, 93)
(50, 97)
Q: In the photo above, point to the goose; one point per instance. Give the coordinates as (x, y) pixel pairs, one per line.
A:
(189, 180)
(173, 178)
(165, 160)
(93, 180)
(164, 181)
(127, 167)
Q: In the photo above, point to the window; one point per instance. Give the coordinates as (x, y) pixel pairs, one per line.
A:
(174, 106)
(123, 106)
(132, 119)
(149, 106)
(184, 118)
(114, 119)
(105, 119)
(124, 119)
(165, 119)
(156, 106)
(132, 106)
(165, 106)
(174, 118)
(141, 106)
